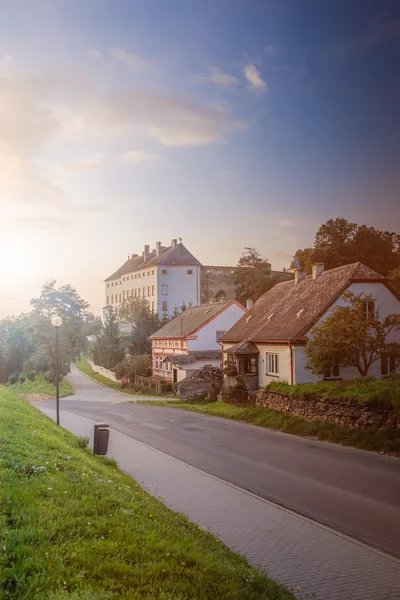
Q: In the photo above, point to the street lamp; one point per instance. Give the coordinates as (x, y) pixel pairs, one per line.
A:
(57, 322)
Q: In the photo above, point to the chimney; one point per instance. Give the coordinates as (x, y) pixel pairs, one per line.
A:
(249, 303)
(317, 269)
(158, 248)
(146, 253)
(134, 255)
(173, 243)
(299, 274)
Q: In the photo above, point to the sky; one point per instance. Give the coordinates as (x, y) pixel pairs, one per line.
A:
(228, 123)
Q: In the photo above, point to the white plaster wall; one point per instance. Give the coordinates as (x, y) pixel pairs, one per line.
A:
(206, 336)
(103, 371)
(283, 352)
(182, 288)
(386, 304)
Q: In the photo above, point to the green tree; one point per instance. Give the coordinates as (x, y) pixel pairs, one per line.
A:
(352, 335)
(338, 242)
(144, 322)
(252, 277)
(107, 349)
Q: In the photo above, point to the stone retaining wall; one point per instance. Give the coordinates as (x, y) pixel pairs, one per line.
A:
(103, 371)
(198, 390)
(351, 413)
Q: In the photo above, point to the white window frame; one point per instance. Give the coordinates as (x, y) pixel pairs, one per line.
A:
(164, 289)
(222, 332)
(272, 363)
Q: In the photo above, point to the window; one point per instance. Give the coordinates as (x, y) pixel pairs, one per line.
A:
(153, 290)
(182, 344)
(332, 371)
(176, 344)
(138, 292)
(108, 285)
(112, 285)
(272, 363)
(189, 272)
(138, 274)
(108, 299)
(120, 296)
(369, 308)
(153, 271)
(164, 272)
(144, 274)
(124, 278)
(148, 272)
(388, 363)
(132, 292)
(250, 364)
(220, 334)
(164, 290)
(135, 275)
(165, 306)
(153, 306)
(144, 292)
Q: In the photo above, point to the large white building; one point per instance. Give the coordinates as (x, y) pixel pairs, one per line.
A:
(166, 277)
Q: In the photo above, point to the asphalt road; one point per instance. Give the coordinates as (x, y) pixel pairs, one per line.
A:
(352, 491)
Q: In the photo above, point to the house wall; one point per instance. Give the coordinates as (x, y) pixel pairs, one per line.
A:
(182, 288)
(205, 338)
(386, 304)
(160, 349)
(283, 352)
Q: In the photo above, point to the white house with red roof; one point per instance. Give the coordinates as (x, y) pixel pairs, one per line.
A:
(267, 343)
(192, 340)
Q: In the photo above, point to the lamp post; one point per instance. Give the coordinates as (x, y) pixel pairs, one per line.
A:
(57, 322)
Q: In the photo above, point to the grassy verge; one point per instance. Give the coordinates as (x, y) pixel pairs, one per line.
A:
(85, 367)
(73, 527)
(40, 385)
(380, 441)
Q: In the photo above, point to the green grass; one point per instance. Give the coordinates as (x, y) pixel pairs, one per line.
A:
(384, 390)
(73, 527)
(84, 366)
(381, 440)
(40, 385)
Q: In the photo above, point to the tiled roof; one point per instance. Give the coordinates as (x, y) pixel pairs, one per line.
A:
(193, 356)
(245, 347)
(288, 311)
(190, 320)
(172, 256)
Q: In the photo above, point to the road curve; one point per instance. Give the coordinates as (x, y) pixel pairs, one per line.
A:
(352, 491)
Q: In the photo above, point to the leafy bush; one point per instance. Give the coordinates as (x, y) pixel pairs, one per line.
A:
(83, 441)
(49, 376)
(21, 379)
(137, 365)
(31, 376)
(13, 378)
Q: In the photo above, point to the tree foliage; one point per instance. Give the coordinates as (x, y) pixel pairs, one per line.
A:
(338, 242)
(108, 349)
(144, 322)
(252, 277)
(349, 338)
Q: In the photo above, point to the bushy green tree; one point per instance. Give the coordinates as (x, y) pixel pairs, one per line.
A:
(108, 348)
(338, 242)
(350, 337)
(253, 276)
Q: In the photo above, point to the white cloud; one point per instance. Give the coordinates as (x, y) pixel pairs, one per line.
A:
(82, 166)
(136, 157)
(270, 50)
(6, 62)
(216, 75)
(256, 82)
(129, 59)
(96, 54)
(287, 223)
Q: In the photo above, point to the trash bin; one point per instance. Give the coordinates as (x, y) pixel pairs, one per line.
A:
(101, 435)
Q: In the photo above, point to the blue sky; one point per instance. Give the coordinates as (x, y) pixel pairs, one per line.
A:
(228, 122)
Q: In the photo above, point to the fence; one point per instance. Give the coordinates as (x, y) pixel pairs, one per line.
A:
(240, 397)
(158, 385)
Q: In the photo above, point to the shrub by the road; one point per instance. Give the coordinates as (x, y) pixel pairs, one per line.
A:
(73, 527)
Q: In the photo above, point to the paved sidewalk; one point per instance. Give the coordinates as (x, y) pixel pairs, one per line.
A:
(293, 549)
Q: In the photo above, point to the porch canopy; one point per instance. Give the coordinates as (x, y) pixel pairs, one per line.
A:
(243, 357)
